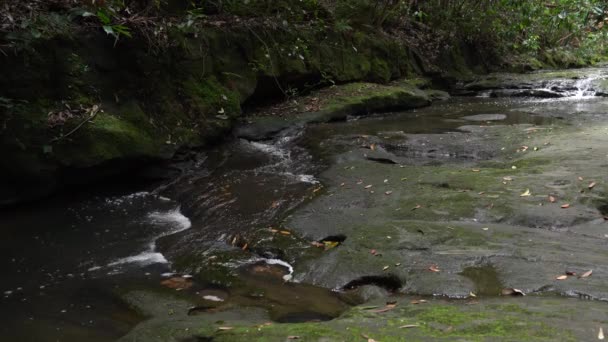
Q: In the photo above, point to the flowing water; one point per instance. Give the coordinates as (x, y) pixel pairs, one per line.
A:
(67, 260)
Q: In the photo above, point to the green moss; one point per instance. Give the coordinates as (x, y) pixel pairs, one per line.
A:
(107, 137)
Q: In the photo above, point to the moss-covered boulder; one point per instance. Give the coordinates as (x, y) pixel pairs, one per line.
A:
(75, 107)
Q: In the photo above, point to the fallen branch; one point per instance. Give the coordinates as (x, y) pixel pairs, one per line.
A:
(92, 114)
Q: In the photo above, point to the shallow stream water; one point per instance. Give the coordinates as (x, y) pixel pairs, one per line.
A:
(67, 260)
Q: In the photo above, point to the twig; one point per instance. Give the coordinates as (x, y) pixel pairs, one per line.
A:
(269, 59)
(92, 114)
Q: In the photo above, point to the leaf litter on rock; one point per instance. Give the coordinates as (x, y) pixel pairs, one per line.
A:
(586, 274)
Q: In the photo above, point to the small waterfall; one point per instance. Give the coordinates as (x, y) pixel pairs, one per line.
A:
(585, 87)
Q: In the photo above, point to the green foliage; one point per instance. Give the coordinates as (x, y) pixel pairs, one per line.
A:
(529, 26)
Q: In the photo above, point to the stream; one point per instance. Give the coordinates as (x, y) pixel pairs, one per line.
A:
(287, 224)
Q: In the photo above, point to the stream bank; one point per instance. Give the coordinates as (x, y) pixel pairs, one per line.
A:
(310, 229)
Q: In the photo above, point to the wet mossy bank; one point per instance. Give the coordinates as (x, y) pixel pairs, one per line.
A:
(76, 108)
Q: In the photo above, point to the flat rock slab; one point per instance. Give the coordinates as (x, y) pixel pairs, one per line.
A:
(485, 117)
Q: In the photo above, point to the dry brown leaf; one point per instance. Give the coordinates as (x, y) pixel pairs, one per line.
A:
(434, 268)
(284, 232)
(561, 277)
(592, 185)
(512, 292)
(372, 147)
(177, 283)
(552, 199)
(586, 274)
(388, 307)
(565, 206)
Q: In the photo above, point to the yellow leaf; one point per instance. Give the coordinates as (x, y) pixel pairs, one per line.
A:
(526, 194)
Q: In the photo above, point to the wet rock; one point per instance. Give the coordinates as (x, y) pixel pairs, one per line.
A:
(542, 93)
(485, 117)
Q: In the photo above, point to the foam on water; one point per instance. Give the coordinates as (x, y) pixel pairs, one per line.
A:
(172, 218)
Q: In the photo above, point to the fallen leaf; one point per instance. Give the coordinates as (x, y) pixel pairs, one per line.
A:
(552, 199)
(368, 186)
(245, 246)
(565, 206)
(600, 334)
(342, 184)
(408, 326)
(418, 206)
(508, 179)
(561, 277)
(512, 292)
(330, 244)
(293, 337)
(418, 301)
(580, 178)
(225, 328)
(372, 147)
(526, 193)
(485, 228)
(434, 268)
(284, 232)
(475, 170)
(317, 244)
(177, 283)
(373, 252)
(586, 274)
(385, 268)
(388, 307)
(591, 185)
(471, 294)
(388, 192)
(570, 273)
(403, 179)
